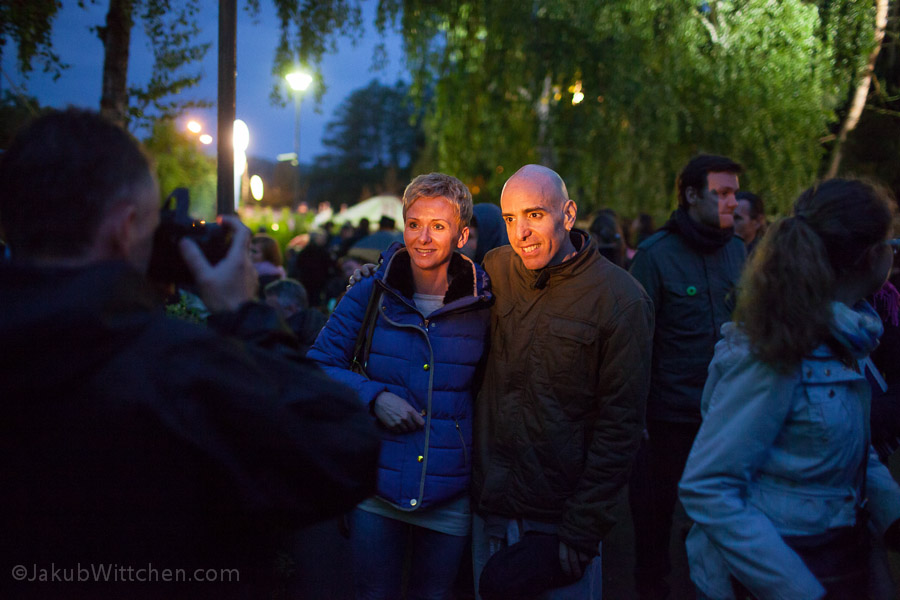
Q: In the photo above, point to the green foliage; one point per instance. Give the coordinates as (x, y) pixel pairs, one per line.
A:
(662, 80)
(172, 28)
(180, 162)
(15, 113)
(282, 224)
(188, 308)
(28, 24)
(308, 31)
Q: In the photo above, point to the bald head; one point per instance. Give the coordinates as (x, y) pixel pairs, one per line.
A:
(539, 180)
(538, 215)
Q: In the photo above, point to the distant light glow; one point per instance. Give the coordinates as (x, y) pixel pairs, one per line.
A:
(205, 139)
(577, 97)
(194, 127)
(275, 227)
(256, 187)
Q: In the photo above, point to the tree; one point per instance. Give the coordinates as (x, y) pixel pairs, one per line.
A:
(170, 25)
(180, 162)
(15, 111)
(374, 139)
(618, 95)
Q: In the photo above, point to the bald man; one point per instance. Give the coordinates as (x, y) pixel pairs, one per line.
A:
(561, 408)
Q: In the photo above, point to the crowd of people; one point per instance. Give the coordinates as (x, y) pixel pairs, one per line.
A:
(477, 401)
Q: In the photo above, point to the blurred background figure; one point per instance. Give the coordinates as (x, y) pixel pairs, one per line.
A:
(267, 259)
(486, 232)
(288, 298)
(370, 247)
(610, 238)
(313, 266)
(639, 230)
(749, 219)
(336, 286)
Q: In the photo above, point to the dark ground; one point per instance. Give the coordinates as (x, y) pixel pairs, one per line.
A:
(322, 566)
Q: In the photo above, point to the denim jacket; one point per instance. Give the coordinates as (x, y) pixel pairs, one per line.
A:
(777, 455)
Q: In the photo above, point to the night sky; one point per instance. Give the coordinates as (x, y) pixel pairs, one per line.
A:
(271, 127)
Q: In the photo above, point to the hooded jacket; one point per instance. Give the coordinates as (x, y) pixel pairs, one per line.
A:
(561, 409)
(429, 362)
(129, 437)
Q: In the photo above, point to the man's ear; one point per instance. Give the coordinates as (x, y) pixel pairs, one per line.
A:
(463, 237)
(570, 211)
(116, 232)
(690, 194)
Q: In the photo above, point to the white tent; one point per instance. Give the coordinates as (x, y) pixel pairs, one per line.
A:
(373, 209)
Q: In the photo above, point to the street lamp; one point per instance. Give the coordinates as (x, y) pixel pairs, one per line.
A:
(299, 82)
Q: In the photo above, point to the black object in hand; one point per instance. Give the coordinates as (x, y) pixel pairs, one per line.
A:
(166, 263)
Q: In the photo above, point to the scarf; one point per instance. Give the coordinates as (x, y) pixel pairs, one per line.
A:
(700, 237)
(857, 328)
(887, 301)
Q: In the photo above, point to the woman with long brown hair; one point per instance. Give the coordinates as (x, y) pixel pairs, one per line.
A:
(782, 476)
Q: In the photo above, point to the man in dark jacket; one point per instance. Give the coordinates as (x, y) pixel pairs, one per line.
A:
(144, 456)
(561, 408)
(690, 269)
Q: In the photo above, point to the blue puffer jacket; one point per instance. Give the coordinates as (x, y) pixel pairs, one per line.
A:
(430, 363)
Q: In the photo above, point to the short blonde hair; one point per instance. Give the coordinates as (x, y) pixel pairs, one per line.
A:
(439, 185)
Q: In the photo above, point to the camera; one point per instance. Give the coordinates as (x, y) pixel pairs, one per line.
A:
(166, 263)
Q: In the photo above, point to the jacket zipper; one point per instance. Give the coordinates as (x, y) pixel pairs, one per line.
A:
(462, 441)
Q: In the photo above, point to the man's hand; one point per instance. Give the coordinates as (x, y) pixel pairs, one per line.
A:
(396, 414)
(572, 561)
(367, 270)
(232, 281)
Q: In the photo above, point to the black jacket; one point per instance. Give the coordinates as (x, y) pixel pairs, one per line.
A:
(693, 296)
(560, 413)
(132, 438)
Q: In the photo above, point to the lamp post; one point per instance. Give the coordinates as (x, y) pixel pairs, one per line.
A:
(299, 82)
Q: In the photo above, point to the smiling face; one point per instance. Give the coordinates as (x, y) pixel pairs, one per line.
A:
(538, 219)
(715, 205)
(431, 233)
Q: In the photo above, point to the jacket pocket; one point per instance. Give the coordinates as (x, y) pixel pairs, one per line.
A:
(685, 306)
(568, 341)
(830, 417)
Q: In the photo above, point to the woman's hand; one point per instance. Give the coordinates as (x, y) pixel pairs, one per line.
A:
(396, 414)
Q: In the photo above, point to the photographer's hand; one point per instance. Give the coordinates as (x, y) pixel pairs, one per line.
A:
(232, 281)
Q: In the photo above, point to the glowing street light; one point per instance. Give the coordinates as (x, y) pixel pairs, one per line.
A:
(256, 187)
(241, 141)
(194, 126)
(205, 139)
(299, 81)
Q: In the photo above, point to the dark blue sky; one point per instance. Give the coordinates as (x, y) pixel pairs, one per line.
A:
(271, 127)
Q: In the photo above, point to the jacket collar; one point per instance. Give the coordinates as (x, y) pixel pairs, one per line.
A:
(584, 256)
(466, 280)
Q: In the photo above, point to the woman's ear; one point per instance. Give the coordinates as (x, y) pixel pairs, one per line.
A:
(463, 237)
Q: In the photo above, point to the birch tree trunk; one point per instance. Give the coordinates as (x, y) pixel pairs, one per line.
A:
(862, 90)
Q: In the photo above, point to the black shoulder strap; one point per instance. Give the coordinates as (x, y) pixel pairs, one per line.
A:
(366, 330)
